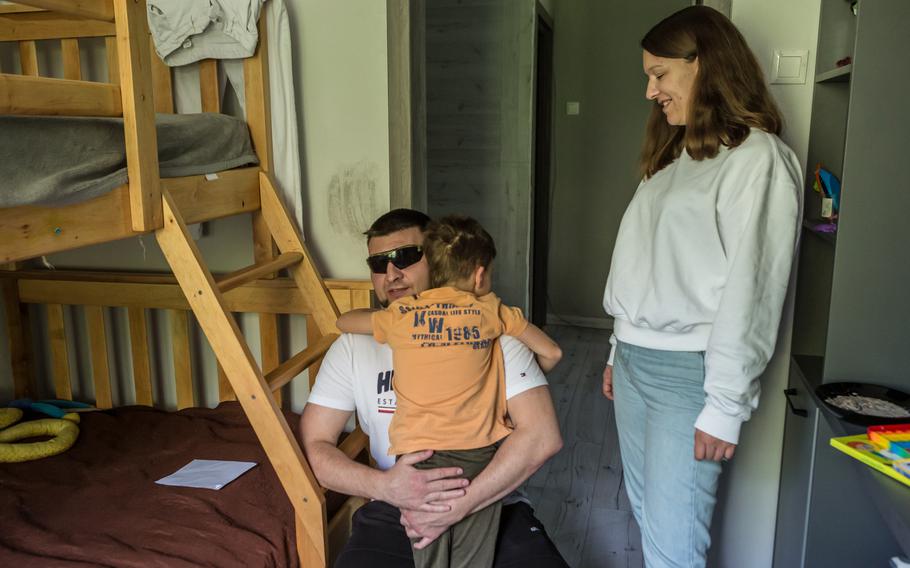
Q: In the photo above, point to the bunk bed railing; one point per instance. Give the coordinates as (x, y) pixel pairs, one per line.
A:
(26, 25)
(65, 293)
(38, 229)
(58, 97)
(29, 93)
(37, 25)
(41, 95)
(103, 10)
(138, 83)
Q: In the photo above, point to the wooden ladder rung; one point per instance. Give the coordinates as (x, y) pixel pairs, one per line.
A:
(253, 272)
(284, 373)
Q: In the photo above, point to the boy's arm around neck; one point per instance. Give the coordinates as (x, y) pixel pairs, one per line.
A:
(547, 351)
(356, 321)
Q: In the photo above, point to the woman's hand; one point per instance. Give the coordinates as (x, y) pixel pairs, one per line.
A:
(707, 447)
(608, 382)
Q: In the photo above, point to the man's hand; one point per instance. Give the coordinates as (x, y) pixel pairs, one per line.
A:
(707, 447)
(608, 382)
(428, 526)
(534, 440)
(427, 490)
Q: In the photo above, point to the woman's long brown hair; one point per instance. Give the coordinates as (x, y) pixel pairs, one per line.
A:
(729, 95)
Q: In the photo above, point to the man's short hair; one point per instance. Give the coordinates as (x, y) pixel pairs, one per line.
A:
(397, 220)
(454, 246)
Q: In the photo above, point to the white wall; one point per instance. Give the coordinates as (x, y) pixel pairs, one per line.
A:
(782, 24)
(747, 511)
(341, 81)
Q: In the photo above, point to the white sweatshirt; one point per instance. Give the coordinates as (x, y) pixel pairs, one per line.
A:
(702, 263)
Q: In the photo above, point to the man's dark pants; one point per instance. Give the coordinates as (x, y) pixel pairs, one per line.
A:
(378, 540)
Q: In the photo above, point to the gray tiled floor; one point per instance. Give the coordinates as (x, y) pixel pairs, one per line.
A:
(579, 494)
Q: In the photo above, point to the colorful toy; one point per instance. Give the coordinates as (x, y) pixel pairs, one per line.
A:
(892, 439)
(902, 466)
(827, 184)
(885, 448)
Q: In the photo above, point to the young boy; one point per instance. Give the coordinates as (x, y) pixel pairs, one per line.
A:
(448, 372)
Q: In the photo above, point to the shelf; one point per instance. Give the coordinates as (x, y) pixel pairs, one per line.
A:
(809, 225)
(811, 367)
(836, 75)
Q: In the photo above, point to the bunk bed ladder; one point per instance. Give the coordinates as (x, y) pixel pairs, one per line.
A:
(253, 388)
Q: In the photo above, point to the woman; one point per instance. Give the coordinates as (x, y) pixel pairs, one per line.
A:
(699, 275)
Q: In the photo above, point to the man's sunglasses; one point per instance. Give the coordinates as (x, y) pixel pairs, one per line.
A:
(401, 258)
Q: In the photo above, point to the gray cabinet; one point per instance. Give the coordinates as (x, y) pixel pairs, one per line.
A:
(843, 528)
(796, 474)
(825, 516)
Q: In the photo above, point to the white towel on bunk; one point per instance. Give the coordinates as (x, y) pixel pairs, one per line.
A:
(285, 142)
(186, 31)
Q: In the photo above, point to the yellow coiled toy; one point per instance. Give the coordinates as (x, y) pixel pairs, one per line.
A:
(63, 433)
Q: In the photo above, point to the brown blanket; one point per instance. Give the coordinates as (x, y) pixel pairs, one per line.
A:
(97, 504)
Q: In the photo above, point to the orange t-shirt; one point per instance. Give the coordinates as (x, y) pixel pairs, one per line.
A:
(449, 375)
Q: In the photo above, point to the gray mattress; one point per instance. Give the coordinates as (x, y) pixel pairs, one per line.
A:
(63, 160)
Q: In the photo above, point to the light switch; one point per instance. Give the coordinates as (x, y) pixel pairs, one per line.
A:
(573, 108)
(789, 66)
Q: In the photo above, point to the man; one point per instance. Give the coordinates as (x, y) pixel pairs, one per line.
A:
(356, 374)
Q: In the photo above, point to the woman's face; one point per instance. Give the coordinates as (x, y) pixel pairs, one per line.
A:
(670, 83)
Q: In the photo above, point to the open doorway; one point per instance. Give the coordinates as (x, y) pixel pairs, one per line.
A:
(479, 68)
(542, 128)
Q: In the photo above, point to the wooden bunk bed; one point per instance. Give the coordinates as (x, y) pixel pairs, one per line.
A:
(139, 85)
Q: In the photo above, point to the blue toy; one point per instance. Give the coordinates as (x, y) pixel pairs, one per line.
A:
(831, 186)
(52, 408)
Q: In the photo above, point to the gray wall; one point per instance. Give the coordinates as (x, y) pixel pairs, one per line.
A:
(479, 79)
(597, 62)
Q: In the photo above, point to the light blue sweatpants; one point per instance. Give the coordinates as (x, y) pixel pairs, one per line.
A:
(658, 396)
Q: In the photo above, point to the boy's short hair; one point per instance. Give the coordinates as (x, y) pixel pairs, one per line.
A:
(397, 220)
(454, 246)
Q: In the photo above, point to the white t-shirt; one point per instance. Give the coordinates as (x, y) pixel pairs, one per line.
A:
(356, 374)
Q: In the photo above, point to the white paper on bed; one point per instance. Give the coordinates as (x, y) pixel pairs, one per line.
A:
(207, 474)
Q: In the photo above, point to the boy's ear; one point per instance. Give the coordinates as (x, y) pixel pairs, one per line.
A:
(477, 277)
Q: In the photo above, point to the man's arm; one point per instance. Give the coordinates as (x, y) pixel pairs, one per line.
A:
(402, 486)
(534, 440)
